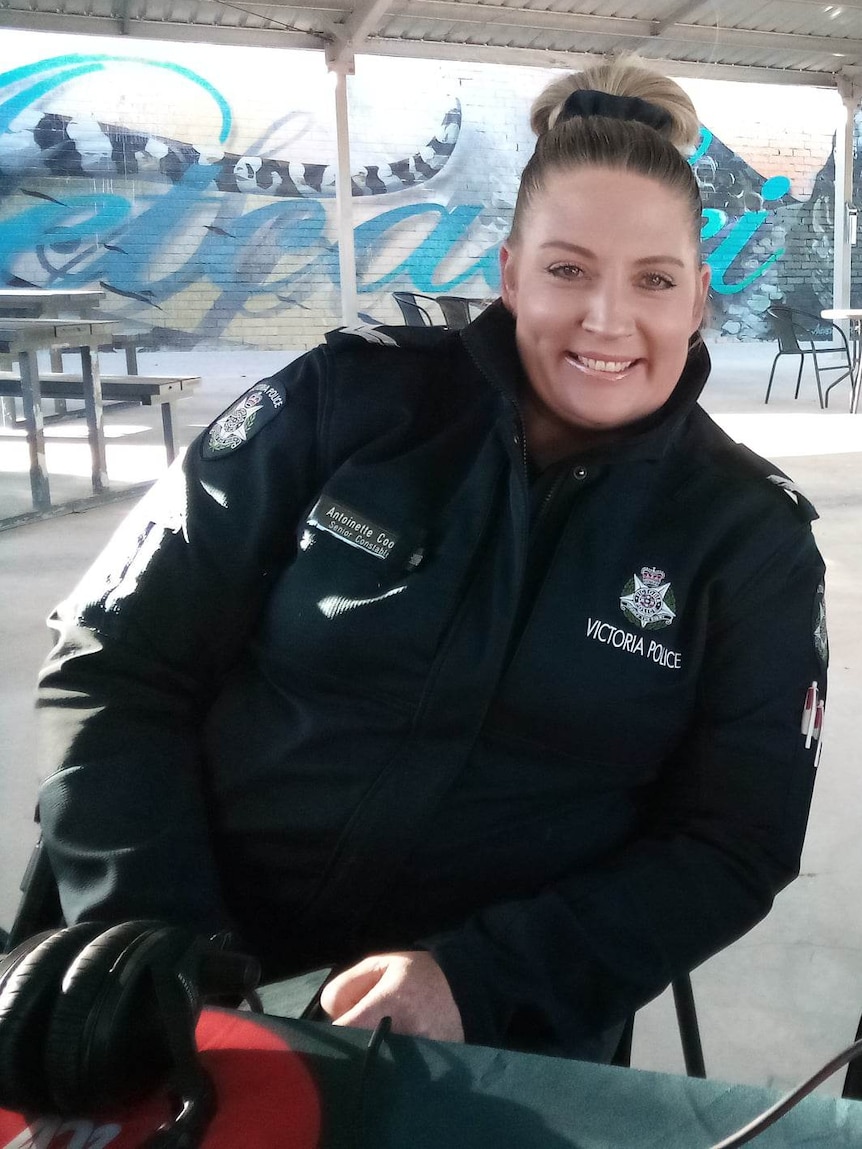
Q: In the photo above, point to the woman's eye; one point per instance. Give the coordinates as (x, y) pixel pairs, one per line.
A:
(658, 282)
(566, 271)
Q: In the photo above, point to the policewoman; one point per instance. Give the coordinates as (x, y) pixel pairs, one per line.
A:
(480, 665)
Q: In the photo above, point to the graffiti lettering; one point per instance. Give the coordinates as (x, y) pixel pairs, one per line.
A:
(739, 238)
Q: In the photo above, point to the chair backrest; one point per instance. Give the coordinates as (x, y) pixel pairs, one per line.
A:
(784, 329)
(792, 326)
(415, 315)
(456, 311)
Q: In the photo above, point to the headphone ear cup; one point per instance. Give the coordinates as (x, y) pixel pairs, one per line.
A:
(30, 979)
(105, 1042)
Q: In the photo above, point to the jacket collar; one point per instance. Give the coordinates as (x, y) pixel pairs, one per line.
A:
(490, 342)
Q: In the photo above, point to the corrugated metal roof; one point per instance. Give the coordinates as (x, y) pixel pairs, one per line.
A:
(797, 41)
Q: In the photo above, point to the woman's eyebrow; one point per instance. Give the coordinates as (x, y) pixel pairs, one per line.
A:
(573, 247)
(577, 249)
(660, 259)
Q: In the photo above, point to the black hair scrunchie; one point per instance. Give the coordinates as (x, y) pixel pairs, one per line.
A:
(587, 102)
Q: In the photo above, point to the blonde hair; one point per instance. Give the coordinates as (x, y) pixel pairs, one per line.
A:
(599, 140)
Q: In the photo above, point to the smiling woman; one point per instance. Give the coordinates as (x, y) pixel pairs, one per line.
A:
(379, 682)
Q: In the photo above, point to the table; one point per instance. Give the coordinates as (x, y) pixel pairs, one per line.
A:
(308, 1085)
(21, 340)
(49, 302)
(425, 1095)
(854, 316)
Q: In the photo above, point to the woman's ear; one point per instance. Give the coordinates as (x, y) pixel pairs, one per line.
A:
(699, 308)
(508, 279)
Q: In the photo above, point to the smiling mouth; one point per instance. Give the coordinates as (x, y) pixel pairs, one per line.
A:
(608, 368)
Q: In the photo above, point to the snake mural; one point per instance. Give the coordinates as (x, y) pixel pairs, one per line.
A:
(50, 145)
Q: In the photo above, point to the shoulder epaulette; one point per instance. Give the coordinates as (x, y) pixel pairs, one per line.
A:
(382, 335)
(777, 477)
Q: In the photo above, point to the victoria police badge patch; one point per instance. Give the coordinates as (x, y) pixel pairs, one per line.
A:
(648, 600)
(242, 421)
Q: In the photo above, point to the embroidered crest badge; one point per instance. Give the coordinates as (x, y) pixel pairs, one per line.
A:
(648, 601)
(248, 415)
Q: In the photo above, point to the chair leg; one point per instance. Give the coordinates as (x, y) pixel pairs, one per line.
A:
(840, 379)
(853, 1080)
(623, 1055)
(771, 375)
(817, 377)
(799, 376)
(689, 1033)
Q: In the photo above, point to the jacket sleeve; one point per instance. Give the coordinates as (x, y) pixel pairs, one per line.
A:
(142, 645)
(722, 834)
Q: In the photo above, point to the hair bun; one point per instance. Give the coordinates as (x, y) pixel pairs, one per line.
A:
(669, 108)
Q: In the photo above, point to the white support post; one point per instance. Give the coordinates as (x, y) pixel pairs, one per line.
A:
(341, 67)
(850, 92)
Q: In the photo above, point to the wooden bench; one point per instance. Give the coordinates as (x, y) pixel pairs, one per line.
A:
(145, 390)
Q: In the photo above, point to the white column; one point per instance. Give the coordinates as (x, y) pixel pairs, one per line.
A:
(850, 93)
(341, 68)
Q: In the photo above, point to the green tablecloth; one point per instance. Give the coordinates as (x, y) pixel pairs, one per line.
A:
(425, 1095)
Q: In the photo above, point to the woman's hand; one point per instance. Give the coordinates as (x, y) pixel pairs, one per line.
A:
(408, 987)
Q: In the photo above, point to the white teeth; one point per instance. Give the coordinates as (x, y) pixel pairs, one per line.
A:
(613, 368)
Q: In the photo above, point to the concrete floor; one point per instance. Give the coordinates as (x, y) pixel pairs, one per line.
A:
(774, 1006)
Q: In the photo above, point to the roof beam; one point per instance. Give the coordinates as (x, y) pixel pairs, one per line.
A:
(502, 16)
(364, 19)
(351, 35)
(542, 58)
(325, 26)
(681, 10)
(659, 27)
(268, 37)
(274, 32)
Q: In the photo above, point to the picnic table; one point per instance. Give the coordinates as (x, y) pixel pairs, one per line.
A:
(20, 340)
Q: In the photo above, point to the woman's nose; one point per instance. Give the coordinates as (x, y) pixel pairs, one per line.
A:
(608, 311)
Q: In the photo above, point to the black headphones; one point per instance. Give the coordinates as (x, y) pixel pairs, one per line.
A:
(93, 1017)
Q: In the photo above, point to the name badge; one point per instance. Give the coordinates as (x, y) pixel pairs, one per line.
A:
(353, 527)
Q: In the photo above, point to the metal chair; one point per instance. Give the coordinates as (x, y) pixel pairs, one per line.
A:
(415, 314)
(797, 333)
(39, 909)
(689, 1031)
(458, 310)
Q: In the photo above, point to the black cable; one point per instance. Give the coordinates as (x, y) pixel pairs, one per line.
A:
(381, 1032)
(786, 1103)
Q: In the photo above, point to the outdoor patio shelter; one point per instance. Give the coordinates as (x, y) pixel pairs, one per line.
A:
(803, 42)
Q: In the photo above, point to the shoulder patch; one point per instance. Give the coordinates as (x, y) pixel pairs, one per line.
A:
(243, 419)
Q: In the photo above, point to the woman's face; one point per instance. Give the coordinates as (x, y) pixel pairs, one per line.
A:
(606, 287)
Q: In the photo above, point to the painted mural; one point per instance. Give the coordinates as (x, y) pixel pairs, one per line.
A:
(203, 242)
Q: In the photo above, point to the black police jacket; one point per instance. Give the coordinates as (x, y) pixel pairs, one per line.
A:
(354, 679)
